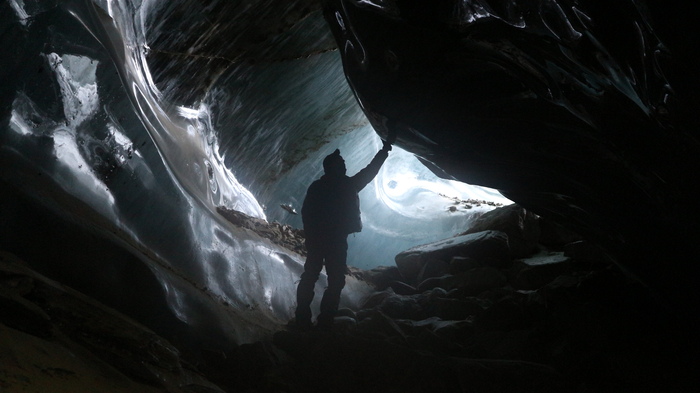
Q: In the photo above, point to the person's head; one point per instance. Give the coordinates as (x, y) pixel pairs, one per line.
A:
(334, 165)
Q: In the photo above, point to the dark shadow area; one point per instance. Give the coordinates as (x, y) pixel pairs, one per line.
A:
(86, 261)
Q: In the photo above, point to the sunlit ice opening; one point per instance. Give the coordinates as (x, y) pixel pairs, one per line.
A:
(406, 204)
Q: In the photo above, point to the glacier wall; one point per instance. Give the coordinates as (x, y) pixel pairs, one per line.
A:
(92, 139)
(105, 171)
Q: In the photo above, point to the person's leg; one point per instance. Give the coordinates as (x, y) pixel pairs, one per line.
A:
(335, 269)
(305, 290)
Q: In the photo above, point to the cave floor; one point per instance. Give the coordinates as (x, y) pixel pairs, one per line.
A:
(613, 339)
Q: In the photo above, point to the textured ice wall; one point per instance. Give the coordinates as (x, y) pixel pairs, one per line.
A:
(90, 136)
(103, 149)
(279, 114)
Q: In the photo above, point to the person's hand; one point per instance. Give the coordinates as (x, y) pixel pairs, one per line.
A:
(386, 145)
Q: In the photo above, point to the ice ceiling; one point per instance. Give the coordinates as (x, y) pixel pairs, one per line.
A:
(125, 124)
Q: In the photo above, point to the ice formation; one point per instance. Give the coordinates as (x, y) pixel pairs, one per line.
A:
(94, 140)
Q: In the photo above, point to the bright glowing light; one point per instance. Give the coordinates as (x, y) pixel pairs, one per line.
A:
(408, 188)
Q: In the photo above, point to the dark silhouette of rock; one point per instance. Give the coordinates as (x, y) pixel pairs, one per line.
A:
(535, 272)
(521, 226)
(475, 280)
(584, 252)
(401, 288)
(455, 309)
(557, 104)
(55, 338)
(433, 268)
(379, 365)
(377, 298)
(488, 247)
(431, 283)
(381, 276)
(402, 307)
(459, 264)
(555, 235)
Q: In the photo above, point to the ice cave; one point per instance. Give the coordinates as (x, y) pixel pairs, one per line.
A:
(534, 228)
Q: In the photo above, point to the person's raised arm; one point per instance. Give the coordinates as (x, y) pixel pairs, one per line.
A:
(363, 177)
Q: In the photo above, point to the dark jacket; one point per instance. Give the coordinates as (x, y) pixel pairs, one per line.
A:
(331, 208)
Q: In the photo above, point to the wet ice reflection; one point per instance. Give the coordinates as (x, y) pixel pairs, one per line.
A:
(154, 171)
(75, 175)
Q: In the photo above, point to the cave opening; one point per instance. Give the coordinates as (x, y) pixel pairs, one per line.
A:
(128, 125)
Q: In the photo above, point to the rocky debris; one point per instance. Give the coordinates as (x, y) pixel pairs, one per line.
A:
(448, 319)
(474, 281)
(555, 236)
(586, 253)
(462, 264)
(56, 339)
(539, 270)
(359, 364)
(488, 247)
(281, 234)
(468, 203)
(381, 277)
(521, 226)
(567, 309)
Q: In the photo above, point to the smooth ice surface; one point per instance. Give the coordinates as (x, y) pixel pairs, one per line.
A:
(96, 141)
(146, 173)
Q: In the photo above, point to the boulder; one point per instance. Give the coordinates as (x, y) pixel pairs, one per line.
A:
(521, 226)
(380, 276)
(414, 328)
(377, 298)
(379, 325)
(435, 334)
(554, 235)
(454, 330)
(455, 309)
(560, 293)
(488, 247)
(533, 273)
(587, 253)
(346, 312)
(431, 283)
(506, 314)
(433, 268)
(436, 293)
(475, 281)
(402, 307)
(401, 288)
(459, 264)
(344, 322)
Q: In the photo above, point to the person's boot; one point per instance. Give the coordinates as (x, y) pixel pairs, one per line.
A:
(301, 322)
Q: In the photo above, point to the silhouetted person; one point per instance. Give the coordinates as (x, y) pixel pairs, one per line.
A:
(331, 211)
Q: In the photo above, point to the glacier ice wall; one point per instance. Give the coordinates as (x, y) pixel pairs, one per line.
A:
(87, 134)
(90, 136)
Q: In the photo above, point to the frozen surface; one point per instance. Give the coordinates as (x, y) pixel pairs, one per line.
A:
(94, 139)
